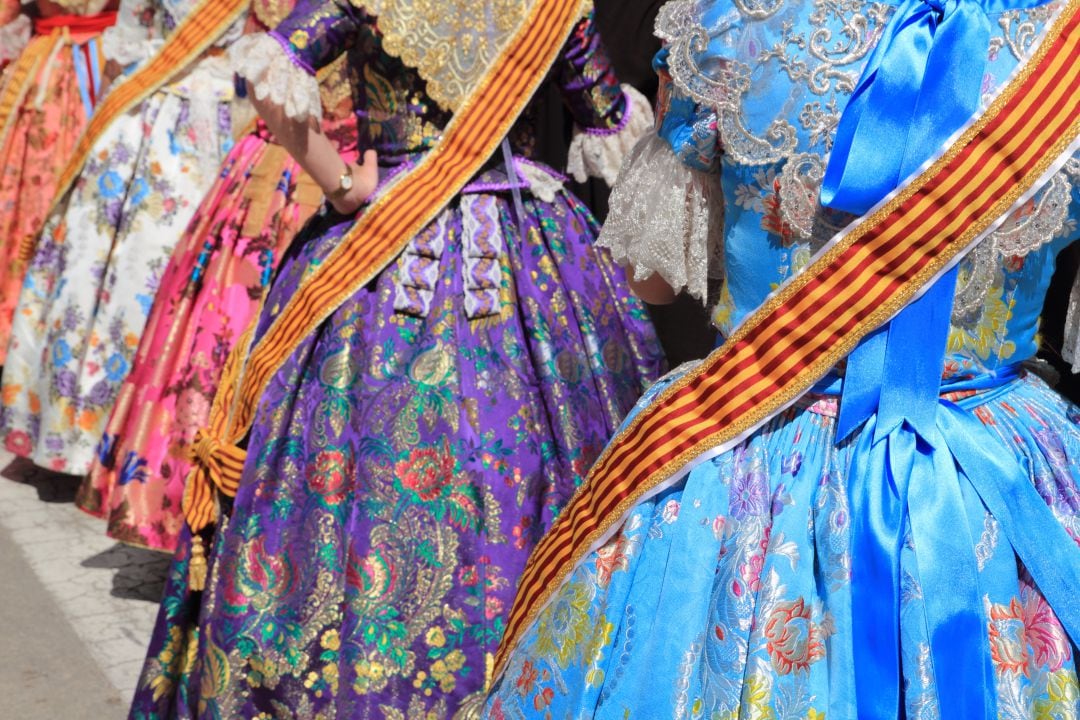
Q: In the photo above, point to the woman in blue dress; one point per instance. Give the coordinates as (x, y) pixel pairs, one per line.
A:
(735, 588)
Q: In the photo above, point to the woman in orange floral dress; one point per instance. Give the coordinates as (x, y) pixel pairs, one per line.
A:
(47, 94)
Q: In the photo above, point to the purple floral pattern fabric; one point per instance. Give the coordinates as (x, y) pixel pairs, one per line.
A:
(412, 450)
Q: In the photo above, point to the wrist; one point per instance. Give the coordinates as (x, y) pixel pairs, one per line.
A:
(344, 185)
(346, 200)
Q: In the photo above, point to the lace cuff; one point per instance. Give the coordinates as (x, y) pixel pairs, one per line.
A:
(1070, 346)
(666, 218)
(273, 73)
(13, 38)
(126, 44)
(600, 153)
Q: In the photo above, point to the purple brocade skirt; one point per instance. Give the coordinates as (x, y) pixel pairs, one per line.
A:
(403, 464)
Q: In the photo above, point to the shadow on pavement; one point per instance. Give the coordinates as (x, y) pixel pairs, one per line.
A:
(52, 487)
(140, 573)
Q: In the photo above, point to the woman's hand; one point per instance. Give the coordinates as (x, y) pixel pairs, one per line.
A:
(653, 289)
(365, 178)
(306, 142)
(109, 74)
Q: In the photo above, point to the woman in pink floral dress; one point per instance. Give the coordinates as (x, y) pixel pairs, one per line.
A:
(101, 255)
(209, 293)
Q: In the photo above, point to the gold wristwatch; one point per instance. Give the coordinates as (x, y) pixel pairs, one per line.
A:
(345, 182)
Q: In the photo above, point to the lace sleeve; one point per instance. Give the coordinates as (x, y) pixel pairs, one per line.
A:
(609, 118)
(1070, 346)
(13, 38)
(666, 218)
(317, 32)
(132, 39)
(274, 73)
(282, 64)
(600, 152)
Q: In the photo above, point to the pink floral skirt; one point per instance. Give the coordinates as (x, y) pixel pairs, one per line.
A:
(209, 293)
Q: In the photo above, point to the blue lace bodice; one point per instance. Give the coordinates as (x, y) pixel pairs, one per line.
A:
(762, 118)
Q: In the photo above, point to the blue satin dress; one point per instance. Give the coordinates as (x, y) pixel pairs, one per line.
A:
(729, 594)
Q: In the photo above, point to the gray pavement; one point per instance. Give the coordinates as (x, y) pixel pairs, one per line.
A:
(76, 609)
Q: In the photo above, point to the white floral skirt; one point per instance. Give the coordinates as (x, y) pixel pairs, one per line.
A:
(93, 279)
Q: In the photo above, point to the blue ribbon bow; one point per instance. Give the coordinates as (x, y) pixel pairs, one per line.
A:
(914, 460)
(892, 385)
(922, 82)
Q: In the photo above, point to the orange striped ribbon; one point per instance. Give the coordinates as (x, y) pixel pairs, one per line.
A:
(202, 27)
(214, 464)
(216, 467)
(799, 334)
(384, 229)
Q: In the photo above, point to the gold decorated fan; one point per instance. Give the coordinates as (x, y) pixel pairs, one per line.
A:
(451, 43)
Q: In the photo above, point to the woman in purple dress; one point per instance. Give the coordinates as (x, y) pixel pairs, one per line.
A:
(408, 455)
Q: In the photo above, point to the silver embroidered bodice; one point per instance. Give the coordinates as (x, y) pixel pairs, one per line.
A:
(751, 95)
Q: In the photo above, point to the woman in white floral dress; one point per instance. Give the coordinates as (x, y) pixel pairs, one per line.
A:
(87, 295)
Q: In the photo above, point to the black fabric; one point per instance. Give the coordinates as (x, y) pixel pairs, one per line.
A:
(1053, 321)
(627, 29)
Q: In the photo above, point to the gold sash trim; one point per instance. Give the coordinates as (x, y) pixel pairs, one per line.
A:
(867, 275)
(385, 228)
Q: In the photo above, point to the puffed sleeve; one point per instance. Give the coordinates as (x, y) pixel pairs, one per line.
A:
(666, 209)
(134, 37)
(14, 30)
(609, 118)
(282, 63)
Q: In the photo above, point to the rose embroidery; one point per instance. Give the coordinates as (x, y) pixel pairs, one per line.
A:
(793, 640)
(425, 473)
(329, 476)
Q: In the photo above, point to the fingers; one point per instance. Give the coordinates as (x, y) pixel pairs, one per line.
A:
(370, 158)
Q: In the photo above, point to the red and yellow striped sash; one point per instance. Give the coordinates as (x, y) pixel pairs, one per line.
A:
(381, 233)
(810, 324)
(216, 465)
(202, 27)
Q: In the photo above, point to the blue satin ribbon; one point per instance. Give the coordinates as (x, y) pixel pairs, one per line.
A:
(87, 73)
(912, 459)
(891, 388)
(921, 83)
(906, 478)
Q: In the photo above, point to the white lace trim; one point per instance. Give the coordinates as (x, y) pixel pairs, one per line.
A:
(13, 38)
(1024, 232)
(126, 44)
(542, 184)
(273, 74)
(1070, 346)
(769, 66)
(666, 218)
(601, 155)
